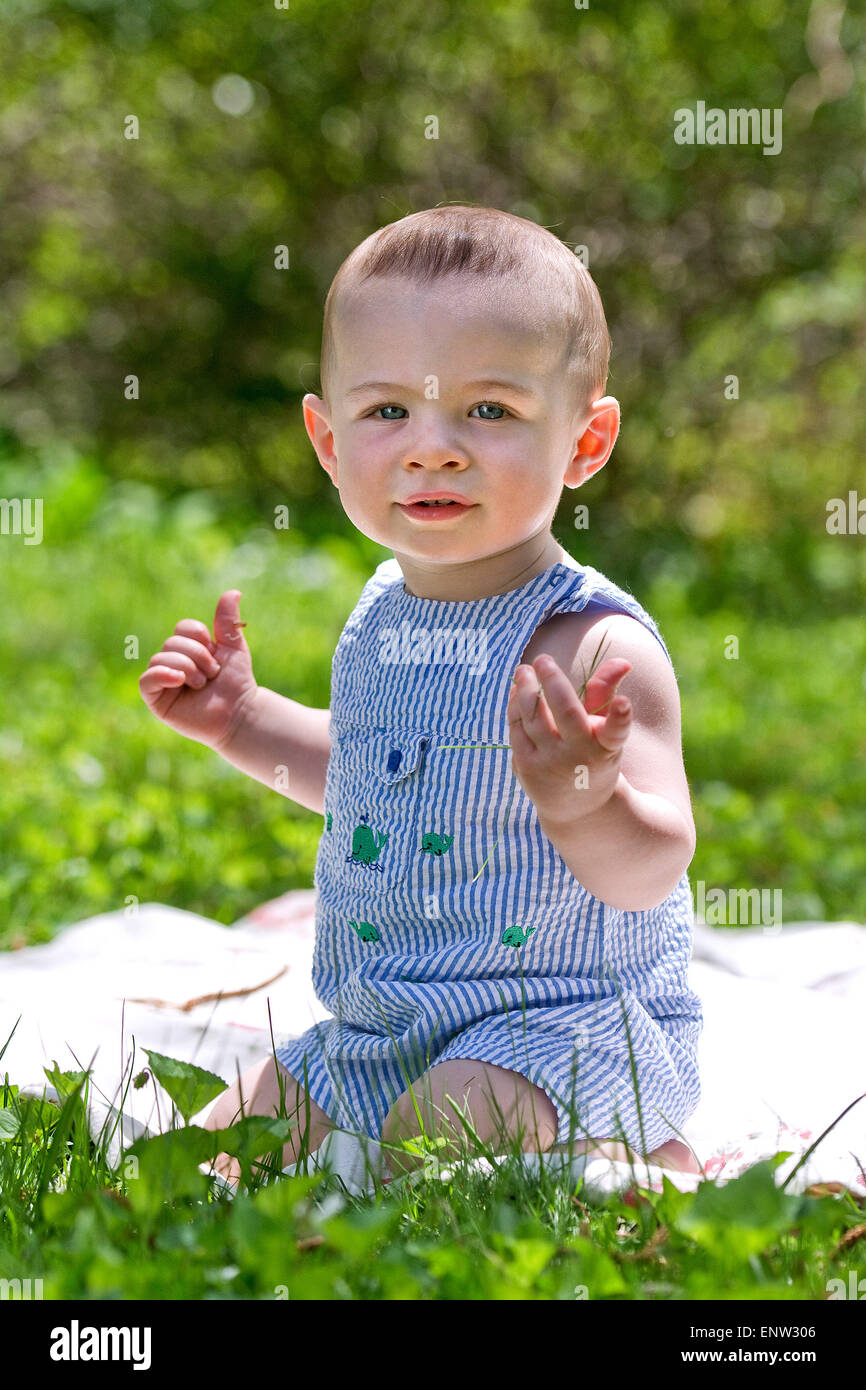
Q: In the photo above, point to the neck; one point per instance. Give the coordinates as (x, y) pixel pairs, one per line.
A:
(484, 577)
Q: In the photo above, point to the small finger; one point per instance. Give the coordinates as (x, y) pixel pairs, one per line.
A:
(199, 631)
(527, 700)
(157, 678)
(612, 705)
(601, 686)
(180, 662)
(200, 654)
(615, 731)
(521, 742)
(618, 719)
(527, 689)
(566, 712)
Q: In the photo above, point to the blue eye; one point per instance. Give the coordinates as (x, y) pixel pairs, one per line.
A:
(483, 405)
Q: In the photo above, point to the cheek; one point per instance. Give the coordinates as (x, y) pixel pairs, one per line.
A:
(367, 492)
(522, 483)
(364, 475)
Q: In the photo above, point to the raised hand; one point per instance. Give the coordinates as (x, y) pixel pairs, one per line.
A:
(201, 686)
(565, 754)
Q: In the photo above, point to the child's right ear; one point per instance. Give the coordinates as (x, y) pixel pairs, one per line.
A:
(312, 405)
(318, 427)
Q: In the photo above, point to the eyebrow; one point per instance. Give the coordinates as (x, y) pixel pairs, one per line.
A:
(488, 383)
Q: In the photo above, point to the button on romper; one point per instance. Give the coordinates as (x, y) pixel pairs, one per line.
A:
(447, 925)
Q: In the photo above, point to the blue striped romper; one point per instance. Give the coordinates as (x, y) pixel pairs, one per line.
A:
(447, 928)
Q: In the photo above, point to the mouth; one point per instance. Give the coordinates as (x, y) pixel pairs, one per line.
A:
(435, 509)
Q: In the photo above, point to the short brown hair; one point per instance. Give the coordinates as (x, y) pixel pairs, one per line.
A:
(459, 238)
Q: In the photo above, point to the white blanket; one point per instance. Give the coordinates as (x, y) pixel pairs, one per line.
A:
(781, 1054)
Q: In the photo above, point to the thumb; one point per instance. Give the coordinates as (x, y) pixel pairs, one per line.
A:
(227, 625)
(602, 684)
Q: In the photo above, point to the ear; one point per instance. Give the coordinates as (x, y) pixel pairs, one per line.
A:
(318, 426)
(595, 444)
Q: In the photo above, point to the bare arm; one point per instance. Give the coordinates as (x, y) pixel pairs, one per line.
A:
(279, 741)
(205, 690)
(633, 848)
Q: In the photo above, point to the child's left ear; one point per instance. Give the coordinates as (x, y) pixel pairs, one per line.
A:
(589, 443)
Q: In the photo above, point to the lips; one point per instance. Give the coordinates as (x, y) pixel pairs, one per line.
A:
(438, 497)
(436, 510)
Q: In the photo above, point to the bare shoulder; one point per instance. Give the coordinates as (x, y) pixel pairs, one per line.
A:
(652, 759)
(578, 640)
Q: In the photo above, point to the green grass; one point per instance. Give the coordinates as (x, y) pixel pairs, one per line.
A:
(100, 805)
(100, 802)
(157, 1226)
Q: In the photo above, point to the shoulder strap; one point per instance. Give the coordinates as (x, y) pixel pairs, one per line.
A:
(589, 586)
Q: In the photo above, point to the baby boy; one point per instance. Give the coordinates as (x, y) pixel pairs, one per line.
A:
(503, 922)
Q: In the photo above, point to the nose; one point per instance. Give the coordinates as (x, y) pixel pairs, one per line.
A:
(433, 448)
(426, 461)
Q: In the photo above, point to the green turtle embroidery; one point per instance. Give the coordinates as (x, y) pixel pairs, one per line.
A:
(329, 820)
(516, 935)
(365, 846)
(366, 930)
(436, 844)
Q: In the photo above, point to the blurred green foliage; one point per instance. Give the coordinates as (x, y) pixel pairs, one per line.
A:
(305, 128)
(99, 802)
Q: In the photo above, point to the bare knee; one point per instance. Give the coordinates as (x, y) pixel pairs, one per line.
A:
(457, 1098)
(267, 1088)
(672, 1154)
(676, 1154)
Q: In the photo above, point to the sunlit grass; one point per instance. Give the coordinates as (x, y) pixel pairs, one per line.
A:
(468, 1220)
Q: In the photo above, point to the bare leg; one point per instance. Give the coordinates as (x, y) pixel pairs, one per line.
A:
(259, 1087)
(672, 1154)
(675, 1154)
(498, 1098)
(499, 1104)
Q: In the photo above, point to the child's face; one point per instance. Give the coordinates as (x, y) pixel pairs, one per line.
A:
(433, 425)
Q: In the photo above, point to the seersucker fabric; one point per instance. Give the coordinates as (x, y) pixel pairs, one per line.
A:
(447, 925)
